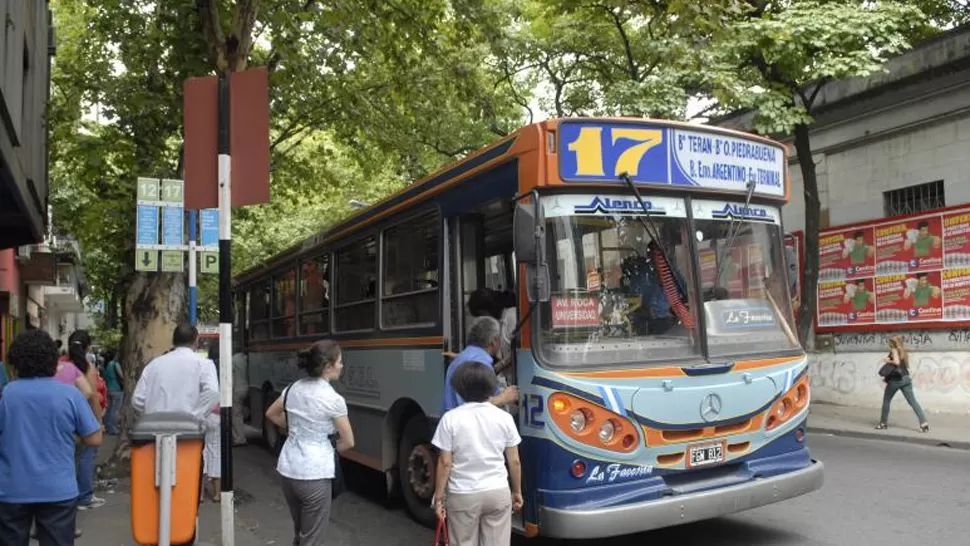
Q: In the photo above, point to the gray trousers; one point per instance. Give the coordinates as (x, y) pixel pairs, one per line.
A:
(479, 519)
(309, 503)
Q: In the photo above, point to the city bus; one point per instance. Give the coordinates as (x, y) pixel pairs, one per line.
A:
(660, 377)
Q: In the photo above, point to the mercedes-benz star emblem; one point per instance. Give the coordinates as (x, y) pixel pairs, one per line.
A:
(710, 407)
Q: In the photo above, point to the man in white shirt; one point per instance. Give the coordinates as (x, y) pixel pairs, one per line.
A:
(179, 380)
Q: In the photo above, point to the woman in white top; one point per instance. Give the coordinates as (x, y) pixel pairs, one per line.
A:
(314, 412)
(472, 485)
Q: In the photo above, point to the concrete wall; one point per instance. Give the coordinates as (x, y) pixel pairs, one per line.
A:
(939, 365)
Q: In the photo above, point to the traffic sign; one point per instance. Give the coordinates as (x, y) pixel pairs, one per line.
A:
(146, 260)
(172, 261)
(173, 222)
(209, 219)
(209, 262)
(147, 225)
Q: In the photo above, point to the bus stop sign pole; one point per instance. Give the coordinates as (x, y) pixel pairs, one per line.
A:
(226, 119)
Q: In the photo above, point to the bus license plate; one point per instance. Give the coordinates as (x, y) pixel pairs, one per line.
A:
(705, 454)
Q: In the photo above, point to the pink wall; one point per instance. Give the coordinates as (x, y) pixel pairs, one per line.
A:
(9, 275)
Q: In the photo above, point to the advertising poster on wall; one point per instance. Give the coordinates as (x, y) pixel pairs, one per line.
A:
(909, 246)
(849, 254)
(956, 294)
(916, 297)
(956, 240)
(846, 302)
(922, 268)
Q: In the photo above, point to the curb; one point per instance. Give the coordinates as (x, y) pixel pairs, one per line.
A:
(932, 442)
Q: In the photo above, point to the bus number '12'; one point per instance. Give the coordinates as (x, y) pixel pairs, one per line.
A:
(532, 405)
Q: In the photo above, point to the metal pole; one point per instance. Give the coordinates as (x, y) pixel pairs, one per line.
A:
(225, 312)
(166, 481)
(193, 284)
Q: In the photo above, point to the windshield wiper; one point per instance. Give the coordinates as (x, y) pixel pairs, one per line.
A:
(654, 233)
(734, 228)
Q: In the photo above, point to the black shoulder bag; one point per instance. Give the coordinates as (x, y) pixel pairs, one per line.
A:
(887, 370)
(337, 485)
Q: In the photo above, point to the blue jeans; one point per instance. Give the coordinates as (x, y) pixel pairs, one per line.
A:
(115, 401)
(85, 473)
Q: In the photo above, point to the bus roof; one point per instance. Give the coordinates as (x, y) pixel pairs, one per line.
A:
(673, 143)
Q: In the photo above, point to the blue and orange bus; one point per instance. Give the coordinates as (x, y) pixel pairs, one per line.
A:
(660, 377)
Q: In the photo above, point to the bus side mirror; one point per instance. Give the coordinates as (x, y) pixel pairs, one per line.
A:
(791, 260)
(527, 240)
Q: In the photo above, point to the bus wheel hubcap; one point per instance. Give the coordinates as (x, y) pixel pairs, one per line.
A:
(421, 470)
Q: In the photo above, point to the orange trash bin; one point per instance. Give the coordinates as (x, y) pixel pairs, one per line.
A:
(173, 440)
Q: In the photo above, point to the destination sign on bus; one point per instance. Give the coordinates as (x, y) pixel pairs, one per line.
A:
(658, 155)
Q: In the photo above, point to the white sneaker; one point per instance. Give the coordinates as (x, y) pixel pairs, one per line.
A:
(95, 502)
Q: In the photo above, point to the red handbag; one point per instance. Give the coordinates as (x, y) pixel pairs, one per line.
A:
(441, 535)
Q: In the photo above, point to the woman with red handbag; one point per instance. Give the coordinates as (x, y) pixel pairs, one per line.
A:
(472, 484)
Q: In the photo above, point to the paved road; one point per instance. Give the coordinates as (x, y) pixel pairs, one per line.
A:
(876, 492)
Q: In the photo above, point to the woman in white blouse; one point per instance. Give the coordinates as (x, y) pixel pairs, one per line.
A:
(313, 412)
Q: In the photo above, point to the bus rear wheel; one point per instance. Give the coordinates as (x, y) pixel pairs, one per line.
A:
(416, 463)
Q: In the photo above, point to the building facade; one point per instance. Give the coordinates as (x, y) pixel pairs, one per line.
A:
(26, 261)
(892, 152)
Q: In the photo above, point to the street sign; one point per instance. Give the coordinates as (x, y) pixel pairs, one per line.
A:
(146, 260)
(147, 225)
(209, 219)
(173, 191)
(209, 262)
(173, 222)
(172, 261)
(147, 189)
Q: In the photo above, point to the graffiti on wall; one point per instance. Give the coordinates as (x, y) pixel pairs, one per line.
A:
(846, 375)
(956, 339)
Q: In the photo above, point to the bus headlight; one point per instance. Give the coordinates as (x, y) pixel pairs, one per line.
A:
(578, 420)
(607, 431)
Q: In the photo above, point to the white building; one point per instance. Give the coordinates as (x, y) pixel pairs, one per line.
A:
(893, 144)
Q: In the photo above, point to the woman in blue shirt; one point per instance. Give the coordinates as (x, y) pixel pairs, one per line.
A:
(39, 421)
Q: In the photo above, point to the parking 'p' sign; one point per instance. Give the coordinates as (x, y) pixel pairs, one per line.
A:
(210, 262)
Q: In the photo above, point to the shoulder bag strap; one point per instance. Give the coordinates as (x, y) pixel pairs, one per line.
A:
(286, 412)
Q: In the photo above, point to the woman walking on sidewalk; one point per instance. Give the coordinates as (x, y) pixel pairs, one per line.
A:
(899, 380)
(312, 412)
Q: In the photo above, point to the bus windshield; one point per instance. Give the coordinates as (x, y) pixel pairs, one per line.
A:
(743, 278)
(623, 285)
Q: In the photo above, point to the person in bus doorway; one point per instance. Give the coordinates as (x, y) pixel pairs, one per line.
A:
(312, 411)
(473, 492)
(484, 342)
(40, 418)
(900, 380)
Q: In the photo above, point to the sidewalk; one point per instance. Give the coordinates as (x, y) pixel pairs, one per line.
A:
(110, 525)
(945, 429)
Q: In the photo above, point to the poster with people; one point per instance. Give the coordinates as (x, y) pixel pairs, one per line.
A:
(849, 254)
(917, 267)
(910, 246)
(846, 302)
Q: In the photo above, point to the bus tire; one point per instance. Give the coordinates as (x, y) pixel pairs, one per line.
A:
(271, 434)
(416, 466)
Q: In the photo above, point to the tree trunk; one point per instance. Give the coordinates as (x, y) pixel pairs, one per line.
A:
(154, 305)
(809, 282)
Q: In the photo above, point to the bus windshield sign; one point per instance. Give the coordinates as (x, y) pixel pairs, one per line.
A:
(653, 154)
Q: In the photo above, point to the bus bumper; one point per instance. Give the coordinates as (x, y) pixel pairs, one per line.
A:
(644, 516)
